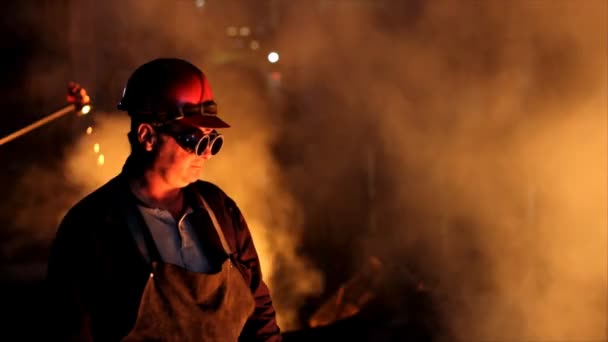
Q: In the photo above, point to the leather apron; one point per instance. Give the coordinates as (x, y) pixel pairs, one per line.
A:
(180, 305)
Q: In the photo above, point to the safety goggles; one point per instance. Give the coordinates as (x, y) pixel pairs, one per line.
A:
(194, 140)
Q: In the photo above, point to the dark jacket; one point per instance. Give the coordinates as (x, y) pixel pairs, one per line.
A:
(96, 273)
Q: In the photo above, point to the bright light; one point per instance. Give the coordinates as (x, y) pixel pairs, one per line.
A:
(231, 31)
(89, 130)
(96, 148)
(273, 57)
(100, 160)
(85, 109)
(200, 3)
(254, 45)
(244, 31)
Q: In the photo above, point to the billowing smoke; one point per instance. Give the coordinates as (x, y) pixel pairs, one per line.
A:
(488, 126)
(100, 153)
(249, 172)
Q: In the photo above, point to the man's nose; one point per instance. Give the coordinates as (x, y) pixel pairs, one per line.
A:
(206, 153)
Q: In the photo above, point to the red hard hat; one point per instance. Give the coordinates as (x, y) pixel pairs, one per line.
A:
(169, 89)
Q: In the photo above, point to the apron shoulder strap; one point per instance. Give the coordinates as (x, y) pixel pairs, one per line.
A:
(203, 203)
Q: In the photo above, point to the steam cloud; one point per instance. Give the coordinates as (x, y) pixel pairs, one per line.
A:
(491, 125)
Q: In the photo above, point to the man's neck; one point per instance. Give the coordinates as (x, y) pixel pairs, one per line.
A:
(155, 192)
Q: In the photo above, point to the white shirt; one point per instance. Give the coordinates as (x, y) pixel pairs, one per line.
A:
(176, 242)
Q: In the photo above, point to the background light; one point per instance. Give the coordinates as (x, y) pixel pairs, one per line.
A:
(245, 31)
(273, 57)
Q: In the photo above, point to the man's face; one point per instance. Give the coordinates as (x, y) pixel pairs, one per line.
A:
(177, 166)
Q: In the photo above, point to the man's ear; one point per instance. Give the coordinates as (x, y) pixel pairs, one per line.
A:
(147, 137)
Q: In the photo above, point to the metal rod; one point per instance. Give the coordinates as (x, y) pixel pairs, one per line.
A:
(50, 117)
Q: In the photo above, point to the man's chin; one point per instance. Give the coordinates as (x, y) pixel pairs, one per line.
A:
(194, 176)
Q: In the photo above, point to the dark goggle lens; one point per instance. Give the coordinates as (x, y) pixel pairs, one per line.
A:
(202, 145)
(199, 144)
(187, 141)
(216, 144)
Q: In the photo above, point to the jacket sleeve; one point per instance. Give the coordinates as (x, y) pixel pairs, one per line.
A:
(66, 283)
(262, 325)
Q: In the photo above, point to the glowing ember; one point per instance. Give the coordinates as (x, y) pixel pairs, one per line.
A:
(85, 109)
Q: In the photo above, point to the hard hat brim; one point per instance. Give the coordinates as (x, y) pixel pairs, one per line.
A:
(205, 121)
